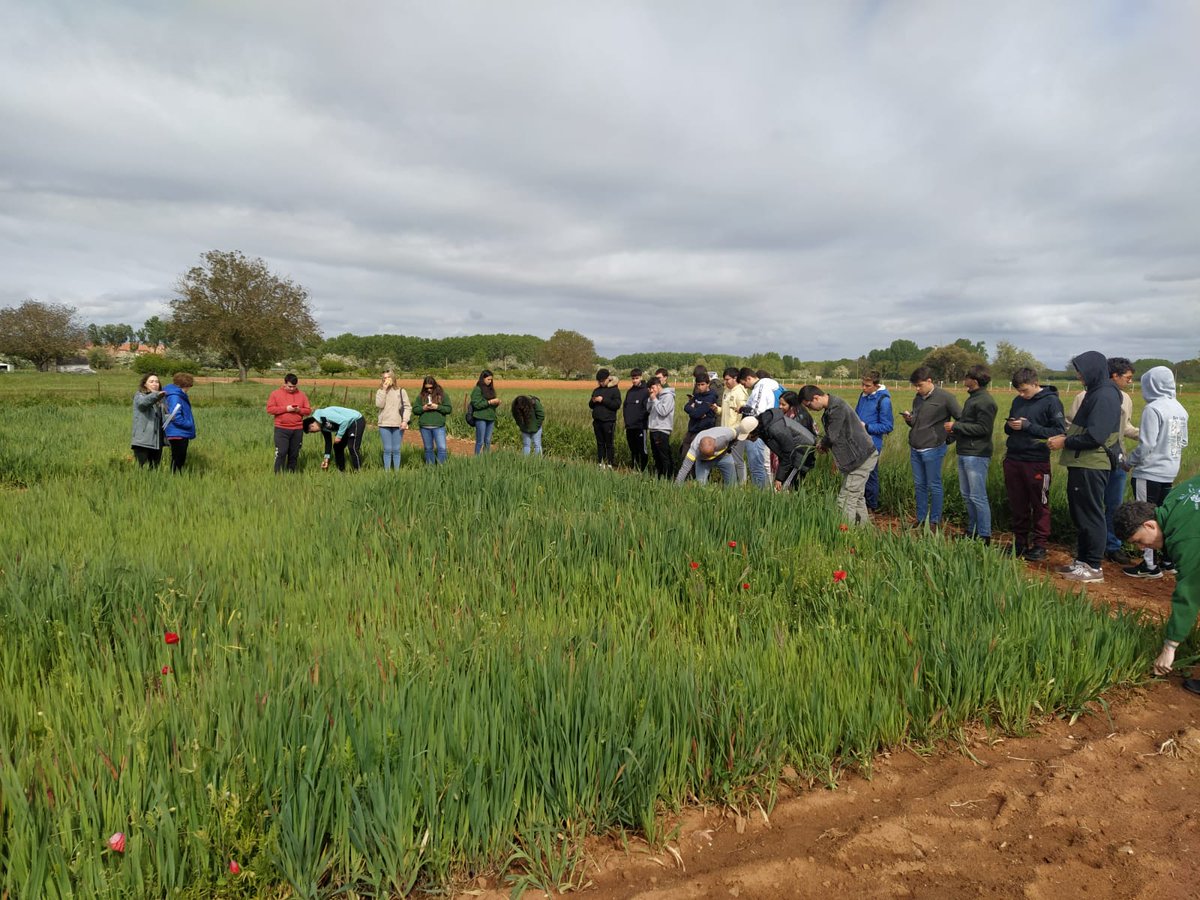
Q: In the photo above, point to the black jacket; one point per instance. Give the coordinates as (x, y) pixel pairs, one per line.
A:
(1044, 417)
(1099, 416)
(637, 406)
(789, 439)
(700, 412)
(606, 409)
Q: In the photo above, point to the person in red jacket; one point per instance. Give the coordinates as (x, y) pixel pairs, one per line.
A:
(289, 406)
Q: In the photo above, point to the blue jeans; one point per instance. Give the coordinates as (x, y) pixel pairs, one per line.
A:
(723, 463)
(431, 437)
(972, 483)
(483, 435)
(927, 480)
(1113, 495)
(534, 440)
(392, 438)
(758, 462)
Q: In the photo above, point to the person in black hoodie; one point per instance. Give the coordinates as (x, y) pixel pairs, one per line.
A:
(701, 409)
(1036, 414)
(636, 411)
(606, 400)
(1087, 455)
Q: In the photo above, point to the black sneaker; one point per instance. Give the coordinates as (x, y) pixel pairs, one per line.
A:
(1035, 554)
(1141, 570)
(1167, 566)
(1120, 557)
(1192, 684)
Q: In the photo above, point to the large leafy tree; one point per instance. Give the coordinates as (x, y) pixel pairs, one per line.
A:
(1009, 358)
(154, 332)
(238, 308)
(42, 333)
(951, 361)
(568, 352)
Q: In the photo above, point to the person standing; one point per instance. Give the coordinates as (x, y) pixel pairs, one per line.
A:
(762, 392)
(933, 408)
(179, 426)
(1036, 414)
(529, 415)
(1120, 373)
(343, 431)
(733, 398)
(1154, 463)
(854, 453)
(395, 412)
(1087, 451)
(636, 412)
(972, 436)
(661, 422)
(701, 409)
(435, 406)
(483, 403)
(1174, 530)
(606, 400)
(146, 441)
(874, 408)
(290, 407)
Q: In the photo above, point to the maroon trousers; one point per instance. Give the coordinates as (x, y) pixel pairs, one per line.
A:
(1028, 486)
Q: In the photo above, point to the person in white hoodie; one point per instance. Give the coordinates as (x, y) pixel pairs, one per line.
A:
(763, 393)
(1154, 463)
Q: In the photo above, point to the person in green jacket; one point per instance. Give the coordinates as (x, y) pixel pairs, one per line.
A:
(483, 403)
(972, 435)
(1174, 528)
(434, 406)
(529, 415)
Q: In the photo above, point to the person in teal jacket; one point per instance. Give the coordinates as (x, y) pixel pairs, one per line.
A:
(343, 430)
(483, 403)
(1173, 527)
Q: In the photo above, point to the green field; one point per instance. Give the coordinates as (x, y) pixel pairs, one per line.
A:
(389, 681)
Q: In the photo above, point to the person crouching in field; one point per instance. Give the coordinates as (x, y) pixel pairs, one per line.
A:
(791, 439)
(854, 453)
(290, 407)
(529, 415)
(343, 430)
(712, 448)
(146, 442)
(180, 425)
(1174, 529)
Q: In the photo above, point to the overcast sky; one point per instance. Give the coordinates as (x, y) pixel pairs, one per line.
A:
(813, 178)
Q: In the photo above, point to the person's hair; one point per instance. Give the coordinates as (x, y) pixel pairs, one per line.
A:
(183, 379)
(1131, 516)
(698, 371)
(602, 376)
(763, 373)
(746, 372)
(1118, 365)
(653, 381)
(871, 375)
(635, 372)
(703, 379)
(980, 374)
(920, 373)
(308, 420)
(488, 390)
(730, 372)
(435, 389)
(1024, 376)
(661, 371)
(522, 411)
(808, 392)
(791, 398)
(145, 378)
(706, 442)
(290, 378)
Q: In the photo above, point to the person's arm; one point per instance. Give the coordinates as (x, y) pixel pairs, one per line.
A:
(380, 398)
(405, 408)
(612, 399)
(1185, 604)
(445, 407)
(539, 414)
(300, 401)
(328, 442)
(274, 407)
(147, 400)
(981, 421)
(952, 406)
(688, 462)
(1149, 428)
(478, 403)
(1050, 422)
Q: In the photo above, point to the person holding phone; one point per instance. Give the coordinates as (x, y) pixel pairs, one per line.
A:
(1035, 415)
(395, 411)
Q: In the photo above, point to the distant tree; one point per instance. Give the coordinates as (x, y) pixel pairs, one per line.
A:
(155, 332)
(237, 308)
(841, 373)
(99, 358)
(1141, 365)
(979, 348)
(951, 361)
(110, 335)
(42, 333)
(568, 352)
(1009, 358)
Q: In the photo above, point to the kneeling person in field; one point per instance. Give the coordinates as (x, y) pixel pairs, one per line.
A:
(854, 453)
(1173, 528)
(712, 447)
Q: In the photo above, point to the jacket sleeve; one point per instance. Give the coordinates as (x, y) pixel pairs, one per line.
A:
(274, 408)
(612, 401)
(1051, 422)
(1148, 428)
(981, 421)
(445, 407)
(689, 461)
(539, 413)
(478, 403)
(328, 442)
(1185, 601)
(952, 406)
(147, 401)
(344, 427)
(660, 406)
(303, 407)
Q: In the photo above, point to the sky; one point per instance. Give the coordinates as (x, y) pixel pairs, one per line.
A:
(814, 178)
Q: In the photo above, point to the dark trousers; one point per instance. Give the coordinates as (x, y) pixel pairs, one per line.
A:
(147, 457)
(660, 446)
(605, 451)
(178, 453)
(636, 438)
(352, 444)
(1085, 500)
(287, 448)
(1027, 484)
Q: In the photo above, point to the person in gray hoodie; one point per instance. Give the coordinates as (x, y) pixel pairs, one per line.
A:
(1154, 463)
(661, 422)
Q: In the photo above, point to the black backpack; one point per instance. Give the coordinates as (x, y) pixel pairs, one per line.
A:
(469, 410)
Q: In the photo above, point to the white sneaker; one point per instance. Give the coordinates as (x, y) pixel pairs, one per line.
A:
(1083, 572)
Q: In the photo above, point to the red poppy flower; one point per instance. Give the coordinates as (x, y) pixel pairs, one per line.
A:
(234, 868)
(839, 575)
(843, 527)
(166, 670)
(745, 585)
(694, 565)
(733, 543)
(116, 843)
(170, 637)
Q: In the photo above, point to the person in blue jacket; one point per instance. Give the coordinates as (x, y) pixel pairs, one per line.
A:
(343, 430)
(179, 426)
(874, 407)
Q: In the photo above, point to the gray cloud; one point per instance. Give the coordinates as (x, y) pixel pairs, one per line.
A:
(816, 181)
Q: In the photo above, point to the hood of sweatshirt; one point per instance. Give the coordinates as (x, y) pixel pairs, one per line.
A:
(1158, 384)
(609, 382)
(1092, 365)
